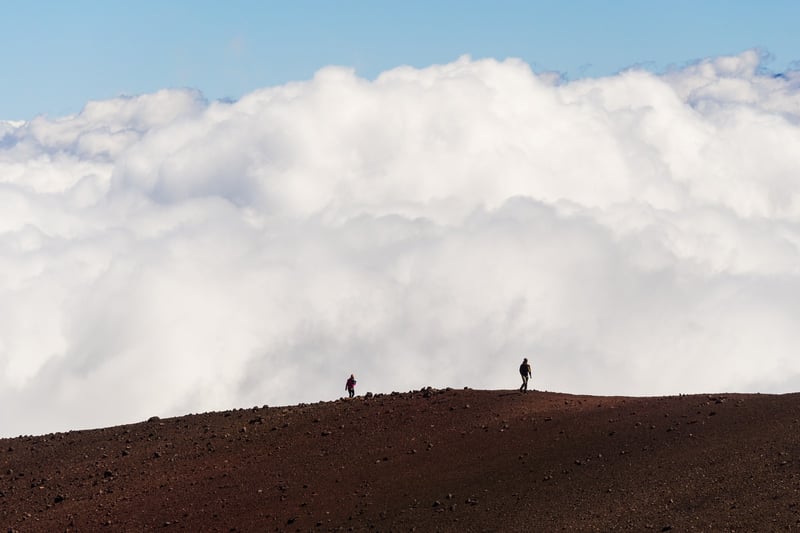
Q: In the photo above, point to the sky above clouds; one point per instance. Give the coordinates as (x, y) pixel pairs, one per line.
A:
(415, 211)
(56, 55)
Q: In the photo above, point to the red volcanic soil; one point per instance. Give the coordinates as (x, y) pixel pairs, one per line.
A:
(431, 460)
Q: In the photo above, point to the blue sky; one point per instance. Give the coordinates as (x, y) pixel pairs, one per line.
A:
(57, 55)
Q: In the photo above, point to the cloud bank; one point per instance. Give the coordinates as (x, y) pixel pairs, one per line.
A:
(636, 234)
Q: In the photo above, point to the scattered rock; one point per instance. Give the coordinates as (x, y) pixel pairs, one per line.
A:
(195, 485)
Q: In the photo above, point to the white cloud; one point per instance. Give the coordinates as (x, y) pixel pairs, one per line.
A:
(635, 234)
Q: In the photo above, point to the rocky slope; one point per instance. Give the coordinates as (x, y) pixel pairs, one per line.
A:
(429, 460)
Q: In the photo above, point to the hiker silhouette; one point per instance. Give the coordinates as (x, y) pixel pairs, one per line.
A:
(350, 386)
(525, 372)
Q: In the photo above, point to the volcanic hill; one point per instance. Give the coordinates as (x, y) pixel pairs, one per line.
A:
(427, 460)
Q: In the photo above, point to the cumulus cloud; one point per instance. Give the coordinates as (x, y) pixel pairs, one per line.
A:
(635, 234)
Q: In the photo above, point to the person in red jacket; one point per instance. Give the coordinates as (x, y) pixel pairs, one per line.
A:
(350, 386)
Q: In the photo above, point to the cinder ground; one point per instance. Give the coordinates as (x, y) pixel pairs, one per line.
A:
(431, 460)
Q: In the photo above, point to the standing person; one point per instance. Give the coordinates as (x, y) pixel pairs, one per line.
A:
(525, 372)
(350, 386)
